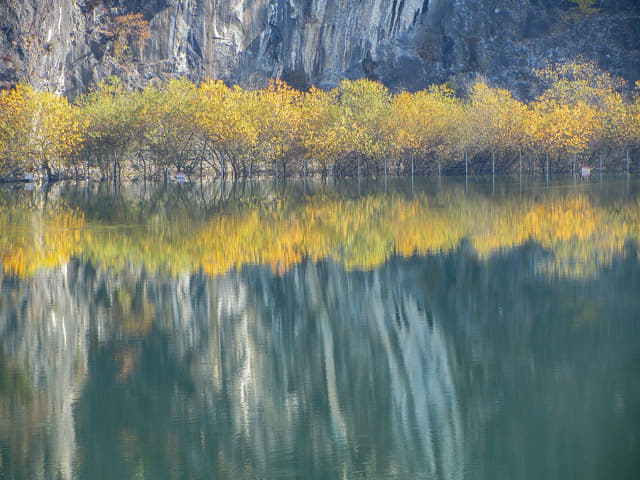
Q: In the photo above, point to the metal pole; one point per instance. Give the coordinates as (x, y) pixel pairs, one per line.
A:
(493, 172)
(546, 158)
(385, 174)
(600, 167)
(627, 162)
(521, 165)
(493, 165)
(411, 173)
(466, 172)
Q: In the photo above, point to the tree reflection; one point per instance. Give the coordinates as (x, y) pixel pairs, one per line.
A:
(214, 230)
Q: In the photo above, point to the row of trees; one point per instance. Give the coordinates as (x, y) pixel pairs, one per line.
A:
(358, 128)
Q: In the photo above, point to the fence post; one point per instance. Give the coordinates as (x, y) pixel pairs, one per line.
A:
(546, 159)
(466, 172)
(627, 162)
(600, 167)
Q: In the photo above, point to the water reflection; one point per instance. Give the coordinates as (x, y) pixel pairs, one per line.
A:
(427, 368)
(182, 229)
(445, 365)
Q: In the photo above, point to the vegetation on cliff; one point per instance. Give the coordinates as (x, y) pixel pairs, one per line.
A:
(358, 128)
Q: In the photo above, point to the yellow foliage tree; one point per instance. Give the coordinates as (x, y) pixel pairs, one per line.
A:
(226, 117)
(277, 114)
(171, 134)
(426, 123)
(38, 129)
(366, 118)
(319, 134)
(495, 123)
(112, 120)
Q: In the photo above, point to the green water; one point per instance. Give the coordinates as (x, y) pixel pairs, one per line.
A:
(340, 330)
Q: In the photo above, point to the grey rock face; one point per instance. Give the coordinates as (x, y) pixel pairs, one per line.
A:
(407, 44)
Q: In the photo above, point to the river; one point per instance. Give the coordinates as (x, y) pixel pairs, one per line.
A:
(428, 330)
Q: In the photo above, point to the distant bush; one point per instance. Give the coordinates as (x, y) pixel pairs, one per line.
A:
(129, 32)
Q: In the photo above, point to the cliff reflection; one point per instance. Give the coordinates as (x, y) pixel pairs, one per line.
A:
(253, 373)
(403, 371)
(242, 375)
(43, 347)
(186, 333)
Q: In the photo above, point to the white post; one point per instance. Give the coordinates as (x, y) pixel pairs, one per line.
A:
(546, 159)
(493, 165)
(411, 173)
(520, 163)
(627, 162)
(385, 174)
(493, 172)
(466, 164)
(466, 172)
(600, 167)
(520, 157)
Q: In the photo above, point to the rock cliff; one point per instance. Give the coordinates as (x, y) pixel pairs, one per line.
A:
(66, 45)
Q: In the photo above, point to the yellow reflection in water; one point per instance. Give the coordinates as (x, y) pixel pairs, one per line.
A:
(581, 235)
(31, 239)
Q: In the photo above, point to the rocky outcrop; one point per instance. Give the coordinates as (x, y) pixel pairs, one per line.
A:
(407, 44)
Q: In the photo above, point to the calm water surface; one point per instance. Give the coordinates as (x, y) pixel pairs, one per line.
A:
(321, 331)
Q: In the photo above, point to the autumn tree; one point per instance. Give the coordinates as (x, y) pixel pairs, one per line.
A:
(170, 133)
(16, 111)
(426, 124)
(277, 114)
(571, 113)
(38, 130)
(320, 132)
(111, 120)
(128, 32)
(231, 131)
(365, 123)
(495, 124)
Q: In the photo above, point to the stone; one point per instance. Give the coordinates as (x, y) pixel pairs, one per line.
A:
(406, 44)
